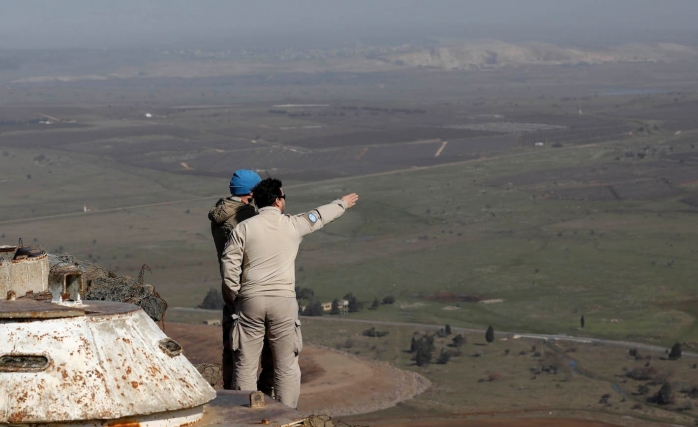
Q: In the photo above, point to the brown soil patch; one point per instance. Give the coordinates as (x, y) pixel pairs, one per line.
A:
(518, 422)
(333, 383)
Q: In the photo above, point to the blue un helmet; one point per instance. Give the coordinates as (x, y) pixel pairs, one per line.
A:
(243, 181)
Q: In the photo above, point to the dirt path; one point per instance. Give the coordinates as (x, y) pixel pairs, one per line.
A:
(333, 383)
(518, 422)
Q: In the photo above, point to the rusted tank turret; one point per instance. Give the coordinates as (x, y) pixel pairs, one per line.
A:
(68, 363)
(86, 364)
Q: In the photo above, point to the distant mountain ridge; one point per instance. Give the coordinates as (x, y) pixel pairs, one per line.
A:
(446, 55)
(494, 54)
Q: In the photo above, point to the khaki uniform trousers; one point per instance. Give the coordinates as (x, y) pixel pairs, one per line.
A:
(277, 319)
(265, 383)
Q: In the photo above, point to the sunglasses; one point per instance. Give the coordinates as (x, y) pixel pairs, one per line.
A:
(283, 196)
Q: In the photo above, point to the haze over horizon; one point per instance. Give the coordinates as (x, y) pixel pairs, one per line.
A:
(313, 23)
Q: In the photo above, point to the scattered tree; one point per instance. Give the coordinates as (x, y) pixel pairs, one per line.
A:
(581, 321)
(304, 293)
(423, 356)
(335, 307)
(444, 357)
(375, 304)
(489, 335)
(413, 345)
(457, 341)
(447, 329)
(372, 332)
(313, 309)
(213, 300)
(663, 396)
(389, 300)
(354, 304)
(675, 352)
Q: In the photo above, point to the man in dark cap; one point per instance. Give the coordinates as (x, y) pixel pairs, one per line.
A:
(224, 216)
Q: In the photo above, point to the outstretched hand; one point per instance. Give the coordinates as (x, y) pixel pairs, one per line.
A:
(351, 199)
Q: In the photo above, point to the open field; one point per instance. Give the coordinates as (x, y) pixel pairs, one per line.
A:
(458, 204)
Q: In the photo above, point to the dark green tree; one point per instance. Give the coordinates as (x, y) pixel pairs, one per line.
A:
(663, 396)
(354, 304)
(423, 356)
(581, 321)
(448, 329)
(675, 352)
(429, 340)
(213, 300)
(335, 307)
(314, 309)
(375, 304)
(413, 345)
(304, 293)
(389, 299)
(457, 341)
(444, 357)
(489, 335)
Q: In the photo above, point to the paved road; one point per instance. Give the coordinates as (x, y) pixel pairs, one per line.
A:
(544, 337)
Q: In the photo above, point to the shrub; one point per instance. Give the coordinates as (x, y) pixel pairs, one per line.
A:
(313, 309)
(304, 293)
(663, 396)
(643, 373)
(457, 341)
(372, 332)
(444, 357)
(389, 300)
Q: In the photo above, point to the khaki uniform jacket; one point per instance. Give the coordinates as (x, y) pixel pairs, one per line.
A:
(261, 253)
(224, 216)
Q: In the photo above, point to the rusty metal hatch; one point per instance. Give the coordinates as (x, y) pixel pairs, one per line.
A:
(170, 347)
(30, 309)
(23, 363)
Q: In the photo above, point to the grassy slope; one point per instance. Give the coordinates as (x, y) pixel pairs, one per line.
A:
(414, 233)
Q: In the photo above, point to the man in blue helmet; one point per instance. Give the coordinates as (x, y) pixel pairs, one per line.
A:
(224, 216)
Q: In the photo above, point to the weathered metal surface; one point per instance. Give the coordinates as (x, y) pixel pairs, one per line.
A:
(23, 275)
(257, 400)
(31, 309)
(105, 365)
(232, 409)
(183, 417)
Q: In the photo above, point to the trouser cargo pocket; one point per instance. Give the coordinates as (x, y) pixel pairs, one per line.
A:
(299, 337)
(235, 333)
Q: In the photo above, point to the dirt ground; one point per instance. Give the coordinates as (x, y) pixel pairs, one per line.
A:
(333, 383)
(519, 422)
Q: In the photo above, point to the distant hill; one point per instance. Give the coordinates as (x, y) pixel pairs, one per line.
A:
(493, 54)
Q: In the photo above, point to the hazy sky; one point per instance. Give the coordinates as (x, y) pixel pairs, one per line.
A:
(120, 23)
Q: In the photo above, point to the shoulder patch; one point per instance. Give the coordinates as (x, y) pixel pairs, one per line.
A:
(311, 217)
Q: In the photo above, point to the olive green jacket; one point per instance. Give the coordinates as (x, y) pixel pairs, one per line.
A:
(224, 216)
